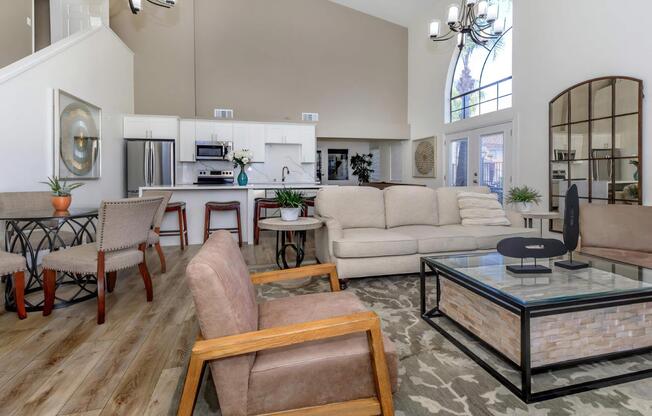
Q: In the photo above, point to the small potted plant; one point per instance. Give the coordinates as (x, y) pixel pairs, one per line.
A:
(241, 158)
(361, 165)
(523, 197)
(61, 192)
(291, 203)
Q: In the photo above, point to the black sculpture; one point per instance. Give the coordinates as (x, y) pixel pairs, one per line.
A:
(536, 248)
(571, 229)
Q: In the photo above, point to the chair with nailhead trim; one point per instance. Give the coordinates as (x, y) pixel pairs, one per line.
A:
(13, 266)
(154, 237)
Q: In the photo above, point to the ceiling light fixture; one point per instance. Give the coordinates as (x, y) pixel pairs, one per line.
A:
(477, 19)
(137, 5)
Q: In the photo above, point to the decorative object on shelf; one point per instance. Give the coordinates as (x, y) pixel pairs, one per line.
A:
(361, 165)
(241, 158)
(61, 193)
(523, 198)
(338, 164)
(571, 229)
(425, 158)
(535, 248)
(631, 192)
(137, 5)
(291, 203)
(635, 163)
(479, 20)
(77, 143)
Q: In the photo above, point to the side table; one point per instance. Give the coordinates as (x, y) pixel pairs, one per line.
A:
(297, 229)
(541, 216)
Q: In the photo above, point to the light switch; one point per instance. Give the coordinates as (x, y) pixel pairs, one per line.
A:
(28, 20)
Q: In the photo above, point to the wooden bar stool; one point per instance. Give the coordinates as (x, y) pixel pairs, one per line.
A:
(222, 206)
(259, 205)
(180, 208)
(308, 202)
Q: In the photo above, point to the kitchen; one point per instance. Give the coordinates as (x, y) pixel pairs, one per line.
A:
(188, 156)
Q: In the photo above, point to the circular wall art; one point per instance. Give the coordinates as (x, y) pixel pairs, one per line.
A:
(424, 158)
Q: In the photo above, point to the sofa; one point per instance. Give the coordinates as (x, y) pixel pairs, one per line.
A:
(617, 232)
(372, 232)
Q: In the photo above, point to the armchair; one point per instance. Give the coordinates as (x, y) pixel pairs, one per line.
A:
(264, 357)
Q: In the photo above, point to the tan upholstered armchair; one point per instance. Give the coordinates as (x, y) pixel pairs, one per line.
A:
(315, 354)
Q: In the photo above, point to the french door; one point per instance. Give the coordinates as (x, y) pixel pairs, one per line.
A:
(480, 158)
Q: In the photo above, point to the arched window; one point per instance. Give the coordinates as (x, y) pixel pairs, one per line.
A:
(482, 76)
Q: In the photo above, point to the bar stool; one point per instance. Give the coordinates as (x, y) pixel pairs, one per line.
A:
(307, 202)
(180, 208)
(259, 205)
(222, 206)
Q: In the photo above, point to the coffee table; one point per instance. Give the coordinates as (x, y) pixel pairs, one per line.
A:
(525, 329)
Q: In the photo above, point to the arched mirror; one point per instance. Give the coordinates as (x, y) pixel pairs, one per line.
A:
(595, 143)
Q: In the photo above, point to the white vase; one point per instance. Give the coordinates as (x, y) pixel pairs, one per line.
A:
(524, 206)
(290, 214)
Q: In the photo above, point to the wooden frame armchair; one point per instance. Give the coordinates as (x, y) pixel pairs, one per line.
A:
(227, 347)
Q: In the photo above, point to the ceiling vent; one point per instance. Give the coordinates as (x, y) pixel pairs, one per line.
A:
(223, 113)
(313, 117)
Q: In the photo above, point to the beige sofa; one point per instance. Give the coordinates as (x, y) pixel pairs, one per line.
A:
(371, 232)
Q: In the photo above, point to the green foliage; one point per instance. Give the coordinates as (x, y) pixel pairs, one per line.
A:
(289, 198)
(524, 193)
(361, 165)
(61, 188)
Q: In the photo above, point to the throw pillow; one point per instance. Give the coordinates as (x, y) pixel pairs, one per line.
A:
(481, 209)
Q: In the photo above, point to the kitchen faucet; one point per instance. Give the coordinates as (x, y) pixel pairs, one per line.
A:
(283, 173)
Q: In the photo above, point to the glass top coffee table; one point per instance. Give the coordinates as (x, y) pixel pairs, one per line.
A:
(591, 327)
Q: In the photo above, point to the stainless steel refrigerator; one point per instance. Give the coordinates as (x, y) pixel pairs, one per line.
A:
(150, 162)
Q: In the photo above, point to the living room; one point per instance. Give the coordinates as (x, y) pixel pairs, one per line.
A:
(463, 183)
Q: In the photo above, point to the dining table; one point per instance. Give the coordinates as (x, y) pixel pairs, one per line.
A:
(32, 233)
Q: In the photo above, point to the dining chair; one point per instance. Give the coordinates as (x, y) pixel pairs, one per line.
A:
(13, 266)
(315, 354)
(154, 236)
(121, 238)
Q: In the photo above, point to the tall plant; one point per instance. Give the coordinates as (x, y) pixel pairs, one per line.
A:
(361, 165)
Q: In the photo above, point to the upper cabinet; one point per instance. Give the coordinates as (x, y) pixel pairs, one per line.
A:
(151, 127)
(250, 136)
(301, 134)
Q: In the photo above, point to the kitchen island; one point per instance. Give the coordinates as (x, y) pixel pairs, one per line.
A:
(196, 196)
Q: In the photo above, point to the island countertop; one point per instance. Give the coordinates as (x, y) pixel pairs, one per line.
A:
(235, 187)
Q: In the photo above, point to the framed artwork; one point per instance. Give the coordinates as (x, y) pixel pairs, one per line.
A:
(77, 141)
(338, 164)
(424, 152)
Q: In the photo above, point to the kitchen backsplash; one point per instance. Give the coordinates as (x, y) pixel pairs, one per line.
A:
(276, 156)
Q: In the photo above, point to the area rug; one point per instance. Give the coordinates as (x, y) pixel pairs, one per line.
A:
(435, 378)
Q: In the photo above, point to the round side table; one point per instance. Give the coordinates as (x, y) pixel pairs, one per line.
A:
(541, 216)
(297, 230)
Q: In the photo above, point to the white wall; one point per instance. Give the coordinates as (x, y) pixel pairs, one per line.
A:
(95, 66)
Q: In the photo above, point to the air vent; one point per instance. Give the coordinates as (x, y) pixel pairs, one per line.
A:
(225, 113)
(310, 117)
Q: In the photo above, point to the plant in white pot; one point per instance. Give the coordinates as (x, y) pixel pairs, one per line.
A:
(291, 203)
(523, 198)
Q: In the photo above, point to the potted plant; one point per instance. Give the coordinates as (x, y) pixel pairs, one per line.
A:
(361, 165)
(61, 192)
(291, 203)
(241, 158)
(523, 197)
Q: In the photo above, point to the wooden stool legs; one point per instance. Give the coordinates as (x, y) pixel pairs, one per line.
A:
(19, 294)
(222, 206)
(182, 219)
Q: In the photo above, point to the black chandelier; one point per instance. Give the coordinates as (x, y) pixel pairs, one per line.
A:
(477, 19)
(137, 5)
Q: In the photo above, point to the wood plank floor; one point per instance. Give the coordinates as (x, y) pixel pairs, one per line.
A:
(134, 364)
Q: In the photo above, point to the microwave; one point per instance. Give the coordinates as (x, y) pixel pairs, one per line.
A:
(209, 150)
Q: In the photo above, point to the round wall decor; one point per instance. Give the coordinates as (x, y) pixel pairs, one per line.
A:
(424, 158)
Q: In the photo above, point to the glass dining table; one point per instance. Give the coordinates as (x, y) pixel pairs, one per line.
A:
(35, 232)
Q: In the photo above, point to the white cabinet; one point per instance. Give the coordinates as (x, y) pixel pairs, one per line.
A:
(151, 127)
(303, 135)
(187, 141)
(275, 133)
(215, 131)
(250, 136)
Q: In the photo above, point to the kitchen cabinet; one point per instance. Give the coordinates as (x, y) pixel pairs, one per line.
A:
(151, 127)
(187, 141)
(250, 136)
(303, 135)
(215, 131)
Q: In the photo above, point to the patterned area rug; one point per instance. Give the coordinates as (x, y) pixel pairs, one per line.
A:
(435, 378)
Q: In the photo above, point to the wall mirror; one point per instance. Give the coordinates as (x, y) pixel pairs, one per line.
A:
(595, 143)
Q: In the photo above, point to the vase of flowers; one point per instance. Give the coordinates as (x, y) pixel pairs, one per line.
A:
(291, 203)
(61, 193)
(241, 158)
(523, 198)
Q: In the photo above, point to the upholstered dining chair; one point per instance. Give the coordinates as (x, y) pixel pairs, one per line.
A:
(122, 231)
(13, 266)
(154, 236)
(321, 353)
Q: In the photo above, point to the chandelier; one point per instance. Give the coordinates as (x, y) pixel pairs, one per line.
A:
(477, 19)
(137, 5)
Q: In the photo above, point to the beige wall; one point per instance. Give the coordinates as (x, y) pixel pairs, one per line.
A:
(270, 61)
(41, 24)
(15, 35)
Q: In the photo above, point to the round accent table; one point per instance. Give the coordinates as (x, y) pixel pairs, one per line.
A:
(541, 216)
(296, 231)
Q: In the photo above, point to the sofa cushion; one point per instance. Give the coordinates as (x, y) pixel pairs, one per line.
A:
(481, 209)
(410, 205)
(449, 211)
(317, 372)
(637, 258)
(625, 227)
(488, 236)
(352, 206)
(373, 242)
(434, 239)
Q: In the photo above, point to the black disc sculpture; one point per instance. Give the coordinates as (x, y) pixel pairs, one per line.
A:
(571, 229)
(534, 248)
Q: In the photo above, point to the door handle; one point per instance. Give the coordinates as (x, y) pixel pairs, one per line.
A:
(151, 164)
(146, 164)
